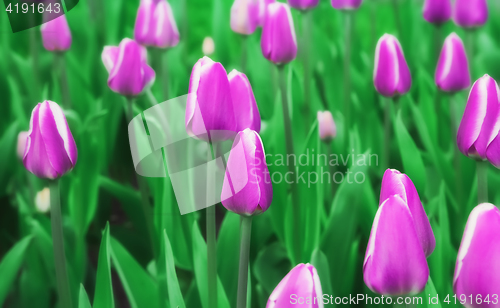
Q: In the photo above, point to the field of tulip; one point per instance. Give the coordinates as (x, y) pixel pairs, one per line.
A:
(252, 153)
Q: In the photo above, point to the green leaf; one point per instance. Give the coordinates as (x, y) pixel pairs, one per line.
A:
(429, 293)
(103, 297)
(10, 265)
(320, 262)
(271, 265)
(83, 299)
(174, 290)
(141, 289)
(228, 254)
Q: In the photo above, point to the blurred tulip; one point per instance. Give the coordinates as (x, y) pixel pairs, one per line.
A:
(21, 143)
(155, 25)
(477, 271)
(129, 73)
(470, 13)
(42, 200)
(245, 108)
(262, 10)
(50, 148)
(209, 110)
(244, 16)
(346, 4)
(303, 4)
(391, 75)
(437, 11)
(395, 262)
(326, 126)
(278, 41)
(247, 188)
(301, 282)
(397, 183)
(479, 125)
(208, 46)
(56, 35)
(452, 72)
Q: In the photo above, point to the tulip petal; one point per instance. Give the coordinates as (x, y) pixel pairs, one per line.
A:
(278, 41)
(470, 13)
(245, 108)
(437, 11)
(452, 72)
(56, 35)
(346, 4)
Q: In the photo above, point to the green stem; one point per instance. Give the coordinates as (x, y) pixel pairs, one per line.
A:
(244, 53)
(438, 40)
(151, 98)
(63, 79)
(63, 289)
(456, 152)
(387, 132)
(306, 34)
(158, 55)
(291, 165)
(211, 245)
(245, 234)
(482, 181)
(469, 45)
(347, 75)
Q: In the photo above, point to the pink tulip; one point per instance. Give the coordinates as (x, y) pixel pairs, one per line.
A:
(56, 35)
(155, 25)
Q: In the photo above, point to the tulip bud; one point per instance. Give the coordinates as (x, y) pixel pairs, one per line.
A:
(303, 4)
(56, 35)
(245, 108)
(346, 4)
(301, 282)
(129, 73)
(244, 16)
(477, 274)
(278, 41)
(437, 11)
(479, 125)
(21, 143)
(247, 188)
(452, 72)
(262, 10)
(327, 128)
(50, 148)
(397, 183)
(395, 262)
(470, 13)
(155, 25)
(208, 46)
(391, 75)
(42, 200)
(209, 108)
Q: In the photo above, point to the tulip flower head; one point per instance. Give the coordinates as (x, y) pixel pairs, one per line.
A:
(56, 35)
(209, 110)
(155, 25)
(302, 281)
(452, 72)
(244, 16)
(326, 126)
(346, 4)
(395, 262)
(21, 144)
(397, 183)
(50, 148)
(129, 72)
(245, 108)
(479, 125)
(262, 10)
(391, 75)
(437, 11)
(247, 188)
(477, 273)
(278, 41)
(208, 46)
(470, 13)
(303, 4)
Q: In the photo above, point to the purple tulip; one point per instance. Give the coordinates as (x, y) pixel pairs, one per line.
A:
(50, 148)
(437, 11)
(391, 75)
(209, 110)
(470, 13)
(346, 4)
(397, 183)
(303, 4)
(244, 16)
(21, 143)
(56, 35)
(129, 72)
(245, 108)
(452, 72)
(477, 271)
(327, 128)
(479, 125)
(301, 287)
(155, 24)
(262, 10)
(278, 41)
(395, 262)
(247, 188)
